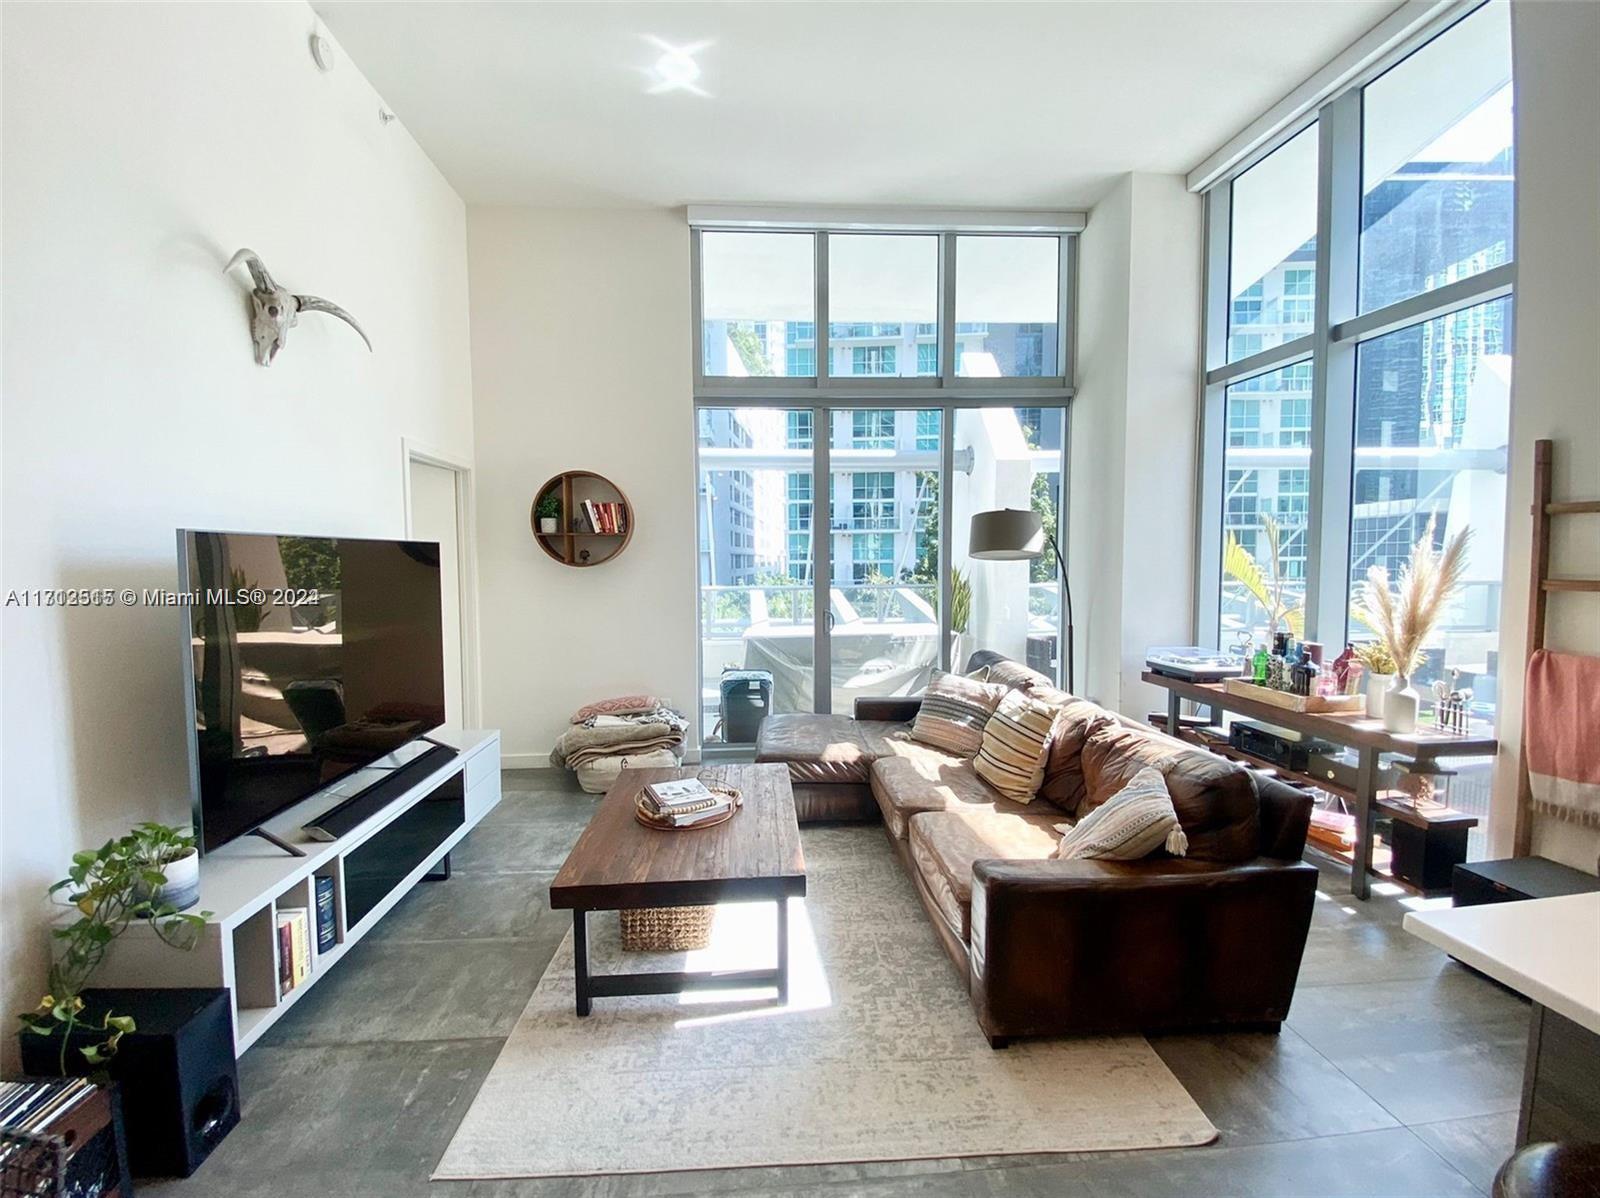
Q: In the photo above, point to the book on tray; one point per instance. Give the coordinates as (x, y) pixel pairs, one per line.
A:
(684, 801)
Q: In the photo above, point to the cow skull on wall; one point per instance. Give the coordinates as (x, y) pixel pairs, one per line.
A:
(276, 310)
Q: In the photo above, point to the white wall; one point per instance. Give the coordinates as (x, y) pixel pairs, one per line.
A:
(1134, 423)
(143, 144)
(1556, 384)
(580, 346)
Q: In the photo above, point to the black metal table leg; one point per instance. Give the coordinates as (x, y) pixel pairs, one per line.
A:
(1174, 713)
(783, 951)
(1366, 812)
(580, 960)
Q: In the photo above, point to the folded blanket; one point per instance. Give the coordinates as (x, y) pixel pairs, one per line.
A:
(653, 715)
(1560, 716)
(633, 749)
(580, 743)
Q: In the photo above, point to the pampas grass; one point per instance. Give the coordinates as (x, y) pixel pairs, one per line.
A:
(1404, 616)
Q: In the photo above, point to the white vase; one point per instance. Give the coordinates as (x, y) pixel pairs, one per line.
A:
(549, 525)
(1400, 706)
(182, 887)
(1377, 687)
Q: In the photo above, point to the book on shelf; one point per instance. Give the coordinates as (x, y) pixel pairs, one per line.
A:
(327, 928)
(294, 947)
(605, 518)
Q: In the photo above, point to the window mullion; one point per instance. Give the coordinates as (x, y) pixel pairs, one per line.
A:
(824, 351)
(1333, 370)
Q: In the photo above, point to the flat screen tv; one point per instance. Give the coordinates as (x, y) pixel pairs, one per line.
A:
(305, 658)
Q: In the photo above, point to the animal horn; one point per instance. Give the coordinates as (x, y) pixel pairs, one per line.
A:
(312, 303)
(258, 269)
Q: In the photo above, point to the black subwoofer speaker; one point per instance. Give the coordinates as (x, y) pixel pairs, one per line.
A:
(177, 1074)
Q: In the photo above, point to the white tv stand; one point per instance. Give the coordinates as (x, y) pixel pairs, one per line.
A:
(244, 883)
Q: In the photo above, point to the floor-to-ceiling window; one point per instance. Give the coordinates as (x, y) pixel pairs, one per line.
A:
(1359, 314)
(859, 395)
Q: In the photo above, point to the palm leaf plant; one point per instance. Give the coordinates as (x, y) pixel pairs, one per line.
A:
(1268, 587)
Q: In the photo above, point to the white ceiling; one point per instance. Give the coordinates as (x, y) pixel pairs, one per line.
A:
(990, 105)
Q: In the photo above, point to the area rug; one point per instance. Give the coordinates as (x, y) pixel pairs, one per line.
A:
(875, 1057)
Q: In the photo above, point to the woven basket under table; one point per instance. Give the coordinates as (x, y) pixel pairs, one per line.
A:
(666, 929)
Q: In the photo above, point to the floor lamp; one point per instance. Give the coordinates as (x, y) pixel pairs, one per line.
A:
(1012, 535)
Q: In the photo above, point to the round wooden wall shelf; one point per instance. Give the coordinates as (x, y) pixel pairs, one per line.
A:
(596, 520)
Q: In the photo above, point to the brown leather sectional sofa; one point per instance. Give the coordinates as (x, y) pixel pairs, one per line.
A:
(1067, 947)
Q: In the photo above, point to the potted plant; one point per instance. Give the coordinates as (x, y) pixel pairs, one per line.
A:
(548, 511)
(1374, 658)
(960, 617)
(1404, 617)
(123, 882)
(1269, 587)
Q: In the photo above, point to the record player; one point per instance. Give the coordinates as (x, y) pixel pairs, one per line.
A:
(1193, 663)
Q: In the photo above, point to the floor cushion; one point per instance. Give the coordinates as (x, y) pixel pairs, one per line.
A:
(1215, 798)
(944, 845)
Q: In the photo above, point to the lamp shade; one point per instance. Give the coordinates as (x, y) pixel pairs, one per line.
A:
(1007, 535)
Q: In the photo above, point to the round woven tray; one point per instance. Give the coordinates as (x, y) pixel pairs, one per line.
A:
(651, 820)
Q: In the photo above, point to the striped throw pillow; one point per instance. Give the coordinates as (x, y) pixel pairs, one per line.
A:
(1015, 744)
(954, 711)
(1133, 823)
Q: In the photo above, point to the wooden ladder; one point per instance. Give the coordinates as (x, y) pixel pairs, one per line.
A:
(1541, 587)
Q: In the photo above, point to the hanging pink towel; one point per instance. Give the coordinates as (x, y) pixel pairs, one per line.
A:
(1561, 735)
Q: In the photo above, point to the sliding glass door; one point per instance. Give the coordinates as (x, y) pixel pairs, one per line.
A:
(882, 544)
(756, 555)
(882, 622)
(1007, 458)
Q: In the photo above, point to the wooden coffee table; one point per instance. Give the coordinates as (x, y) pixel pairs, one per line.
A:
(619, 864)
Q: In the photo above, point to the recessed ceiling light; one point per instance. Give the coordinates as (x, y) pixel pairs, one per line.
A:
(675, 70)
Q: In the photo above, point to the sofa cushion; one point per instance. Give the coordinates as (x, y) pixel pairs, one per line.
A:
(1063, 783)
(1134, 823)
(994, 667)
(826, 748)
(1215, 799)
(1015, 741)
(944, 845)
(953, 712)
(906, 785)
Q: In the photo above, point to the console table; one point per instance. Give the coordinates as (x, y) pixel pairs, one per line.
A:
(1365, 735)
(247, 881)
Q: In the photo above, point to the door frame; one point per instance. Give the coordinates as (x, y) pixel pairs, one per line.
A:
(412, 451)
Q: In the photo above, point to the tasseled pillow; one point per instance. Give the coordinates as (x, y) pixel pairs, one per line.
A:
(1133, 823)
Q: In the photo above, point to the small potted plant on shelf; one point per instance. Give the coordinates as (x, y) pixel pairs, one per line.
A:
(548, 511)
(1405, 616)
(1374, 658)
(142, 877)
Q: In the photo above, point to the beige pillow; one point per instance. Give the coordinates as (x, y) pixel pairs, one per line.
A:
(954, 711)
(1015, 742)
(1133, 823)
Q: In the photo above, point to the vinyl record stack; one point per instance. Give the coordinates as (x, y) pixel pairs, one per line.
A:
(60, 1135)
